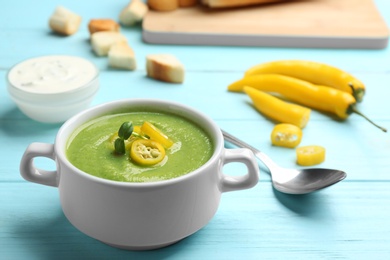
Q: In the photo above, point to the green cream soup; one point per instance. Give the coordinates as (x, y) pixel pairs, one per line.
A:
(91, 149)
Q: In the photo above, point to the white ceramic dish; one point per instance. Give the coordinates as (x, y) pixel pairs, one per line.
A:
(51, 89)
(140, 216)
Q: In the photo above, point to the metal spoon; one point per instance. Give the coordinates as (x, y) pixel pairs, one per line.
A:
(292, 181)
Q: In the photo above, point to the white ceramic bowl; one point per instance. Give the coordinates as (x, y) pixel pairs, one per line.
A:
(140, 216)
(51, 89)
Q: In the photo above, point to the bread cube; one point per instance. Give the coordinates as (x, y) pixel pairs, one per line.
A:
(64, 21)
(165, 67)
(121, 56)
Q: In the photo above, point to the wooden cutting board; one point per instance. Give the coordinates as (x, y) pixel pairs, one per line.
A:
(294, 23)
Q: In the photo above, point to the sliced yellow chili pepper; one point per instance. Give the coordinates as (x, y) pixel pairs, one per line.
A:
(310, 155)
(156, 135)
(146, 152)
(278, 109)
(137, 129)
(314, 72)
(286, 135)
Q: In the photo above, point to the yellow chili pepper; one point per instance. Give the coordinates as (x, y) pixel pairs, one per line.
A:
(278, 109)
(310, 155)
(155, 134)
(137, 129)
(286, 135)
(302, 92)
(146, 152)
(314, 72)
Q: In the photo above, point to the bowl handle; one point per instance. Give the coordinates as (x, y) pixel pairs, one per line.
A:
(249, 180)
(34, 174)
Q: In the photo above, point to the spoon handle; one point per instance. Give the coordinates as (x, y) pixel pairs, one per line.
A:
(260, 155)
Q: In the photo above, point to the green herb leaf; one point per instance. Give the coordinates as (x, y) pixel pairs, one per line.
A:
(119, 145)
(125, 130)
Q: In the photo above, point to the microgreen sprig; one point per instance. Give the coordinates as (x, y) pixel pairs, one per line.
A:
(124, 133)
(140, 136)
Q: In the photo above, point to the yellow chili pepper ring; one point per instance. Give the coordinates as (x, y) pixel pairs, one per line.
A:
(286, 135)
(310, 155)
(146, 152)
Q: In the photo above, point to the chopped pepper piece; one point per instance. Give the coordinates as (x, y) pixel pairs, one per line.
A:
(310, 155)
(155, 134)
(286, 135)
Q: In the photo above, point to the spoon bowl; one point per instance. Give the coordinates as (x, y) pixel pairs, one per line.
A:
(292, 181)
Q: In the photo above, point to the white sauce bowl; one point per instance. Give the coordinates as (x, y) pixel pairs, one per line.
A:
(51, 89)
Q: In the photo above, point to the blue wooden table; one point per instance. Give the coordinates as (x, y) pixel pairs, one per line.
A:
(350, 220)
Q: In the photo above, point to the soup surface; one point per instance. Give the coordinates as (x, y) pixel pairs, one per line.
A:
(91, 148)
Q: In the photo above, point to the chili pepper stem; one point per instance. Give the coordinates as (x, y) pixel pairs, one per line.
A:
(357, 93)
(354, 110)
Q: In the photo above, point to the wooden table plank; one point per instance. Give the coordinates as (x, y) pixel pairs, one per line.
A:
(252, 224)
